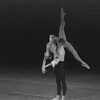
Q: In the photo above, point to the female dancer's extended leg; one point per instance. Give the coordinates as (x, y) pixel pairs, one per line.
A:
(62, 25)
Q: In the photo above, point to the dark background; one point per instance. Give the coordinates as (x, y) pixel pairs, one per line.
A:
(25, 26)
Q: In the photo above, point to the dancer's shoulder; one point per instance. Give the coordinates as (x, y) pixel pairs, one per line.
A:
(47, 45)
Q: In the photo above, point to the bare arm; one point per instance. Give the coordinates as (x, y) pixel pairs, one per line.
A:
(47, 50)
(45, 66)
(53, 63)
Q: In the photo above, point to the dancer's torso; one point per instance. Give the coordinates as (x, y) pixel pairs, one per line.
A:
(51, 46)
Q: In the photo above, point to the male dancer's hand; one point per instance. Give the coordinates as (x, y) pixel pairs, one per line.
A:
(85, 65)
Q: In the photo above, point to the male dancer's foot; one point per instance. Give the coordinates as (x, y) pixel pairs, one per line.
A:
(63, 98)
(56, 98)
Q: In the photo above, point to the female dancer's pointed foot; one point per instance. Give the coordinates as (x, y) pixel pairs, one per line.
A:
(62, 12)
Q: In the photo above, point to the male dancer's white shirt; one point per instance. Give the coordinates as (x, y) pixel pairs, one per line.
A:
(60, 57)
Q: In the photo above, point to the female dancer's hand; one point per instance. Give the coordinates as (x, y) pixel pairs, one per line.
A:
(43, 66)
(43, 70)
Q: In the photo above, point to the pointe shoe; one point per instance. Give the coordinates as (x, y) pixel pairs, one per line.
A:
(56, 98)
(62, 12)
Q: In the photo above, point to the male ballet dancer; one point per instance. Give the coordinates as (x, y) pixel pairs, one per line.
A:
(60, 77)
(59, 69)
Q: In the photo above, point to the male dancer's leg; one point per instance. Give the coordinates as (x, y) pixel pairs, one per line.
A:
(56, 71)
(62, 77)
(58, 83)
(64, 87)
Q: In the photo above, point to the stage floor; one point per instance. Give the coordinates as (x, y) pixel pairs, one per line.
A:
(37, 86)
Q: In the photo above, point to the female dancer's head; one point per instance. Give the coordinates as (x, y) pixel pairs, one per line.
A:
(52, 37)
